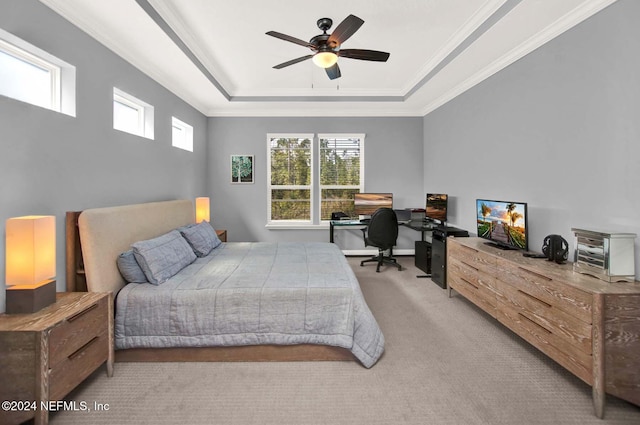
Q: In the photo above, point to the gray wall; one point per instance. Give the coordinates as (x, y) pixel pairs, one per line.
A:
(393, 163)
(51, 163)
(559, 129)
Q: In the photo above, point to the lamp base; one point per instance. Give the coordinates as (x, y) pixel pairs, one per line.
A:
(26, 299)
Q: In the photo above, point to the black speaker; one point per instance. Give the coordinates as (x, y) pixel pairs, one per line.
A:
(555, 248)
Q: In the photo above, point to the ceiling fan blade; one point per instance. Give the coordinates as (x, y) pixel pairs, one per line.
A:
(365, 55)
(286, 37)
(293, 61)
(345, 29)
(333, 72)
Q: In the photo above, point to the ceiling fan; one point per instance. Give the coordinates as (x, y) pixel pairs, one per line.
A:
(327, 47)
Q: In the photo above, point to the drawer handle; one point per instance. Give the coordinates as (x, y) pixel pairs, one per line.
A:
(469, 265)
(469, 248)
(534, 298)
(86, 310)
(81, 349)
(536, 274)
(468, 283)
(531, 321)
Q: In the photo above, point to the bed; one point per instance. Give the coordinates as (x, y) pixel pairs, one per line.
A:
(243, 301)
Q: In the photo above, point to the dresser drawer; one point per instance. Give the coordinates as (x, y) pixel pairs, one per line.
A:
(474, 258)
(569, 331)
(78, 365)
(77, 330)
(474, 285)
(572, 358)
(542, 287)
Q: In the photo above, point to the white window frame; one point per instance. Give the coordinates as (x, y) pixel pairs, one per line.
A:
(315, 187)
(145, 125)
(360, 185)
(291, 223)
(187, 131)
(62, 74)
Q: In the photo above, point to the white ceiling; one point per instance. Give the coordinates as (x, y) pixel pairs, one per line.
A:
(214, 54)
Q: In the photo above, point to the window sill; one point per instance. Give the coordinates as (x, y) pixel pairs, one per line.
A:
(292, 226)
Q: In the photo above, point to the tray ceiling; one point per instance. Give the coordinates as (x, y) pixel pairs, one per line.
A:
(215, 54)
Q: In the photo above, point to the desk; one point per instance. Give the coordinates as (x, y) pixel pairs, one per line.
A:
(421, 226)
(422, 249)
(418, 225)
(344, 224)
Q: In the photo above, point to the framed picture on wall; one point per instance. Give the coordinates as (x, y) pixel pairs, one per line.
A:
(241, 169)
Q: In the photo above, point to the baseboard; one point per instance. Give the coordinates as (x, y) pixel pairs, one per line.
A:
(368, 252)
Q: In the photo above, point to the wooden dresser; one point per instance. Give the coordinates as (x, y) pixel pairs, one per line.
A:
(44, 355)
(590, 327)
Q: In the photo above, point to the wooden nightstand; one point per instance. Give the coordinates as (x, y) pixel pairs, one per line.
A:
(222, 234)
(44, 355)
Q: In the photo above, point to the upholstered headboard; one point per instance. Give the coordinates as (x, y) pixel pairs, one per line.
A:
(107, 232)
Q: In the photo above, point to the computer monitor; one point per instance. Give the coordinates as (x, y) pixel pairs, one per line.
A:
(366, 204)
(436, 207)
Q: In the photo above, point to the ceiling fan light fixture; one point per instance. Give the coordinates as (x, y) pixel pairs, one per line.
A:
(325, 59)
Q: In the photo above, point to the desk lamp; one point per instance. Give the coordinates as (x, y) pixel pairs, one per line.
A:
(30, 263)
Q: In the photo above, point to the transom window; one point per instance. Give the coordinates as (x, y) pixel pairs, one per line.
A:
(32, 75)
(311, 176)
(181, 134)
(132, 115)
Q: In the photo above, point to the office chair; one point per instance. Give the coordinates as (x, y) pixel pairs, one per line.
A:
(382, 232)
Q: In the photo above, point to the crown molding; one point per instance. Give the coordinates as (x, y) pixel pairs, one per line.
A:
(68, 13)
(568, 21)
(379, 106)
(167, 11)
(459, 37)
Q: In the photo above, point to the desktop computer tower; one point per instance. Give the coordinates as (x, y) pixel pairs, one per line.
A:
(423, 256)
(439, 252)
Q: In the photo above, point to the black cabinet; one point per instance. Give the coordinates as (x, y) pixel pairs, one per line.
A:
(439, 252)
(438, 258)
(423, 256)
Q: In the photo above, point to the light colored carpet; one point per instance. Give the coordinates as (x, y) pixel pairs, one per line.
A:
(446, 362)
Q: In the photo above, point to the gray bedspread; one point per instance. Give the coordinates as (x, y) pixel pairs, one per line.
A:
(253, 293)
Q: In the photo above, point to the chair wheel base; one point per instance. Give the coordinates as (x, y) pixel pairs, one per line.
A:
(380, 259)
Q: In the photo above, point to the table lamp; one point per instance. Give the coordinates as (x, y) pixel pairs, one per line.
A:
(30, 263)
(202, 209)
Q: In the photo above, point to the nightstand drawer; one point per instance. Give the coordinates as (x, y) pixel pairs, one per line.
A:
(77, 365)
(77, 330)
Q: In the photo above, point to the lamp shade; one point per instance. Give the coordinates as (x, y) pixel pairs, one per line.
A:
(202, 209)
(325, 59)
(30, 249)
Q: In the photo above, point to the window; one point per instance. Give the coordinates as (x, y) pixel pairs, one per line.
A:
(132, 115)
(290, 178)
(341, 173)
(32, 75)
(294, 197)
(182, 134)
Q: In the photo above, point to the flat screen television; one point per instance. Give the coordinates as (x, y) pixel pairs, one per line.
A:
(436, 208)
(365, 204)
(504, 224)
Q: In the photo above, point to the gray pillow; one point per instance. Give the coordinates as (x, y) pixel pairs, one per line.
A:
(130, 269)
(202, 238)
(162, 257)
